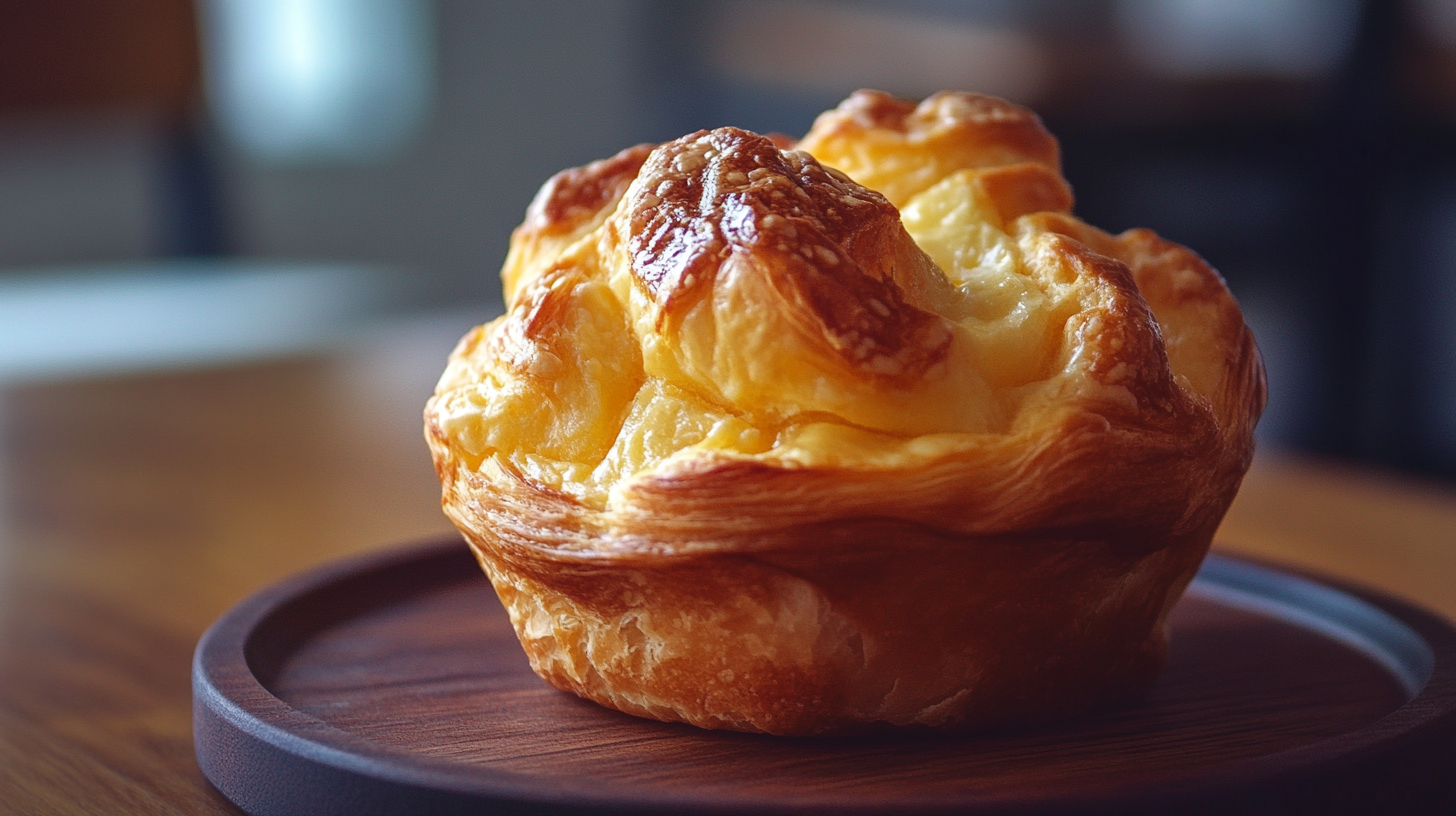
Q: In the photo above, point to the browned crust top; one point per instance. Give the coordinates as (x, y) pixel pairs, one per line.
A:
(836, 262)
(575, 196)
(714, 194)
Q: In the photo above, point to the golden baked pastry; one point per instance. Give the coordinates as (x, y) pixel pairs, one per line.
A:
(864, 431)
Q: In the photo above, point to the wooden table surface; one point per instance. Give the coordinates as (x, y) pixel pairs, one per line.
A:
(137, 509)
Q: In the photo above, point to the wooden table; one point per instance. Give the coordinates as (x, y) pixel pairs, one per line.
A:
(138, 509)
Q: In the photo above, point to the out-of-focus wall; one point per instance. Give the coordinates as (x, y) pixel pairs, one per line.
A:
(526, 89)
(79, 187)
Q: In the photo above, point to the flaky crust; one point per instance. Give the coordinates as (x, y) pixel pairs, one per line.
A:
(868, 432)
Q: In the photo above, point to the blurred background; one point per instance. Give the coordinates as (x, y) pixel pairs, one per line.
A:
(184, 183)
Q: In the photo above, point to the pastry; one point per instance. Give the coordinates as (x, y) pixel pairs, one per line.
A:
(864, 431)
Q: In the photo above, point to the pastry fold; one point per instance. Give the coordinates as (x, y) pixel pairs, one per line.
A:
(863, 431)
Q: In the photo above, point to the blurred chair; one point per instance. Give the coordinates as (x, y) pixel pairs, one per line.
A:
(139, 58)
(100, 66)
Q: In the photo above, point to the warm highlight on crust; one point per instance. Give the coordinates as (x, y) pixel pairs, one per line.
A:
(569, 205)
(867, 432)
(833, 246)
(900, 148)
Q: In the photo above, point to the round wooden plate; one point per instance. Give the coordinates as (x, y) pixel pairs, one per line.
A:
(394, 684)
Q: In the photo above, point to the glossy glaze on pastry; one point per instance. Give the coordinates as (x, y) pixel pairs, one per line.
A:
(864, 431)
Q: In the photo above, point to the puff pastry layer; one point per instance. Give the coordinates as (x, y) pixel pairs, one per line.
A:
(865, 430)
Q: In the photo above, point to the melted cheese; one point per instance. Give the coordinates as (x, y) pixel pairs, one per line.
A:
(594, 379)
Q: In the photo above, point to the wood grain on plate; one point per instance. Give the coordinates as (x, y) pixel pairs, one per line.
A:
(395, 683)
(135, 510)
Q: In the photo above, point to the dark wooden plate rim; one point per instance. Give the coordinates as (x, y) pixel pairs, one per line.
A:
(1416, 646)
